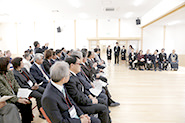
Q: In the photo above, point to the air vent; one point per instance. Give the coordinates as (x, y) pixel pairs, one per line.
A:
(109, 9)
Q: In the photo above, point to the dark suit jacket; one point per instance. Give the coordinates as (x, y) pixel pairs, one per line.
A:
(21, 79)
(39, 50)
(84, 80)
(47, 65)
(109, 52)
(162, 57)
(55, 106)
(37, 74)
(116, 50)
(89, 73)
(155, 58)
(147, 56)
(74, 88)
(130, 56)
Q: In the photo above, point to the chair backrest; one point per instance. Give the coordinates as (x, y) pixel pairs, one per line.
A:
(45, 116)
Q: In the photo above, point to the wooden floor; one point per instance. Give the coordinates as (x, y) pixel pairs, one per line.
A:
(145, 96)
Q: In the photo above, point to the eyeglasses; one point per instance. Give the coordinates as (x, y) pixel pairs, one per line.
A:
(78, 63)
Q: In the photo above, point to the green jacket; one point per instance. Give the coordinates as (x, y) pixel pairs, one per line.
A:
(5, 88)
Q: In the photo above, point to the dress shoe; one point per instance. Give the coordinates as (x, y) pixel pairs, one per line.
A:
(114, 104)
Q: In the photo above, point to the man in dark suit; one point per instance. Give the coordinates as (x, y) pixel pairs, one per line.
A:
(163, 59)
(38, 72)
(78, 93)
(56, 102)
(38, 49)
(156, 60)
(58, 55)
(116, 53)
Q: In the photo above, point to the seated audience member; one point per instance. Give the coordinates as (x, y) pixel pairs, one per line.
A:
(156, 61)
(38, 49)
(31, 57)
(47, 60)
(1, 54)
(58, 55)
(141, 60)
(26, 62)
(88, 74)
(102, 98)
(25, 80)
(163, 59)
(9, 54)
(92, 64)
(132, 60)
(148, 60)
(100, 62)
(68, 53)
(92, 75)
(9, 87)
(56, 102)
(173, 60)
(9, 113)
(38, 72)
(53, 59)
(77, 92)
(63, 54)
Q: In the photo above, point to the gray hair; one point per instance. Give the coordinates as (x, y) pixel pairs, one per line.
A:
(38, 56)
(59, 70)
(77, 53)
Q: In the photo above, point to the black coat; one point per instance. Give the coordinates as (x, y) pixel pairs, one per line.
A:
(116, 50)
(47, 65)
(22, 80)
(55, 106)
(39, 50)
(77, 91)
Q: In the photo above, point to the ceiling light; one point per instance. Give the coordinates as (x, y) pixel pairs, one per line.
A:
(75, 3)
(173, 22)
(83, 15)
(128, 15)
(138, 2)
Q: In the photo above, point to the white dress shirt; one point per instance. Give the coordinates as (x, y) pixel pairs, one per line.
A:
(39, 66)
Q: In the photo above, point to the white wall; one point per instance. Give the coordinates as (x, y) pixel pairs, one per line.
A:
(108, 28)
(128, 28)
(25, 33)
(175, 38)
(152, 38)
(84, 30)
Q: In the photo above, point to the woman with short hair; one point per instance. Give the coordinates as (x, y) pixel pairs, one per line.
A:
(9, 87)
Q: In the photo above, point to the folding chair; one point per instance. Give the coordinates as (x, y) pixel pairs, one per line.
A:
(45, 115)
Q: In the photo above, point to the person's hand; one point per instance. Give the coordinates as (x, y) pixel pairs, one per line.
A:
(2, 104)
(90, 96)
(95, 65)
(92, 85)
(101, 70)
(86, 116)
(46, 45)
(49, 80)
(94, 100)
(35, 87)
(23, 101)
(97, 76)
(83, 119)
